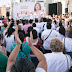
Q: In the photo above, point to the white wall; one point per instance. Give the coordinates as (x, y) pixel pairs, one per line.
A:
(69, 6)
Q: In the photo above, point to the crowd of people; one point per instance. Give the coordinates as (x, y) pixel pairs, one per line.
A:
(39, 45)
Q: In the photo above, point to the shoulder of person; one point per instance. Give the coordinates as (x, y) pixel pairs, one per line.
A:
(40, 70)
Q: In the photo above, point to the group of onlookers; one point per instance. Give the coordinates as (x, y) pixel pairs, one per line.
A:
(36, 46)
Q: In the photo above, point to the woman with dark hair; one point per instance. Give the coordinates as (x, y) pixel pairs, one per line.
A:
(68, 42)
(23, 64)
(61, 33)
(36, 40)
(9, 40)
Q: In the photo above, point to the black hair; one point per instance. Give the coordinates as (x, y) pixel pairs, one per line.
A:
(55, 21)
(23, 65)
(17, 22)
(48, 25)
(44, 20)
(34, 33)
(29, 30)
(63, 19)
(5, 25)
(34, 25)
(21, 36)
(36, 20)
(12, 23)
(60, 24)
(10, 31)
(62, 30)
(30, 21)
(0, 37)
(27, 21)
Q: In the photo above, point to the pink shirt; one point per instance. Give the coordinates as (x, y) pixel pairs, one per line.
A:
(25, 27)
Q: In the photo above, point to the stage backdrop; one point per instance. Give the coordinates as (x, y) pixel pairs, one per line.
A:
(19, 9)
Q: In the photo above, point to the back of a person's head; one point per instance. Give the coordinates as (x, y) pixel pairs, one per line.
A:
(23, 65)
(49, 20)
(56, 45)
(17, 22)
(48, 25)
(5, 25)
(36, 20)
(34, 33)
(44, 20)
(34, 25)
(10, 31)
(30, 21)
(62, 30)
(19, 27)
(29, 30)
(27, 21)
(70, 32)
(60, 24)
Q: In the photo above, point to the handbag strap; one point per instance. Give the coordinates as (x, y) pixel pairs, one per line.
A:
(64, 42)
(48, 35)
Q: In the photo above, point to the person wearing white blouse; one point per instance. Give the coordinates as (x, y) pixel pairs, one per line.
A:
(57, 61)
(68, 42)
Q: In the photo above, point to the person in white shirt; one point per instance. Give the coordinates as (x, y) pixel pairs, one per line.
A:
(68, 42)
(61, 33)
(46, 36)
(9, 40)
(37, 29)
(57, 61)
(21, 24)
(24, 65)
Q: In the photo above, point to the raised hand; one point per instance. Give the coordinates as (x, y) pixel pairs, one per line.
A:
(18, 41)
(30, 40)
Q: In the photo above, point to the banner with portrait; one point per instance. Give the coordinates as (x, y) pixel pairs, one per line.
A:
(20, 9)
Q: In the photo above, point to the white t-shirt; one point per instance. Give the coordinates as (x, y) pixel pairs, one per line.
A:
(60, 36)
(39, 25)
(45, 34)
(9, 42)
(57, 62)
(57, 29)
(68, 44)
(53, 26)
(37, 70)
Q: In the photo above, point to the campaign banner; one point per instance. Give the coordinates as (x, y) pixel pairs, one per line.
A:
(21, 9)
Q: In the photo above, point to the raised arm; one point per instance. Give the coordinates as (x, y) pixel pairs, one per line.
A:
(38, 54)
(16, 26)
(14, 53)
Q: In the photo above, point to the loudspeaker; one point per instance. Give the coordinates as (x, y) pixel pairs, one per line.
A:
(55, 8)
(7, 14)
(66, 10)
